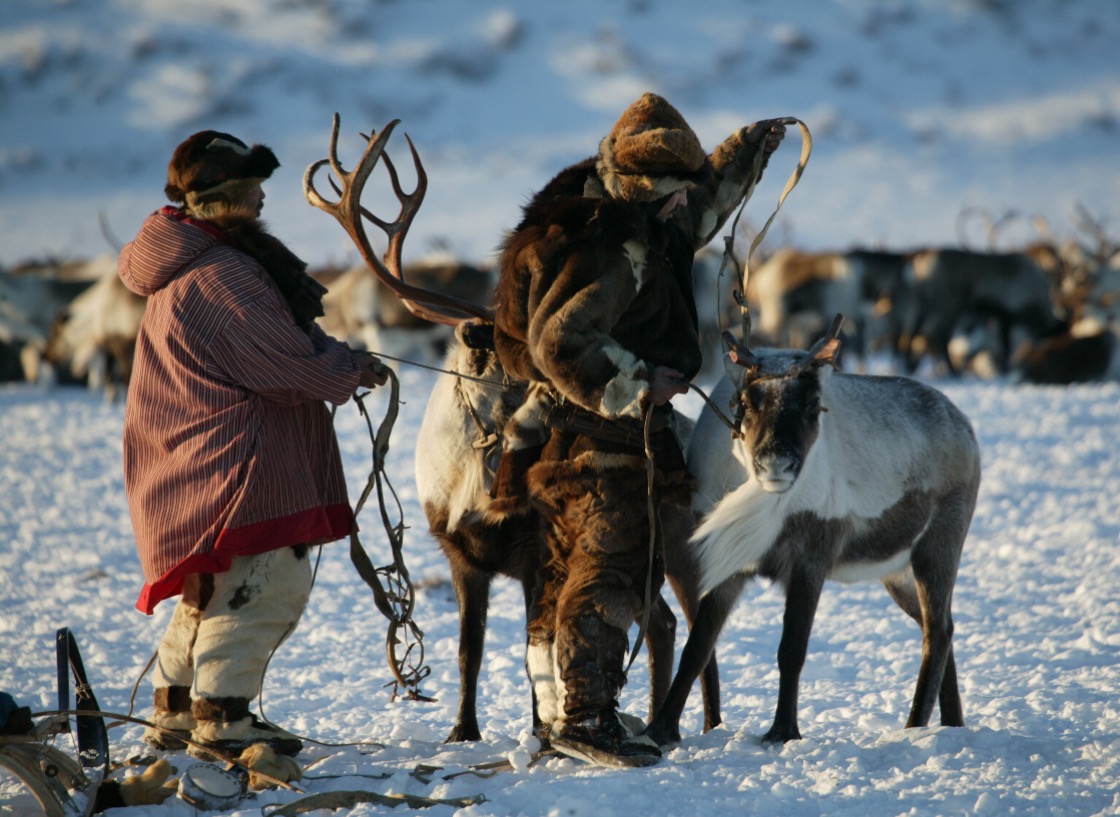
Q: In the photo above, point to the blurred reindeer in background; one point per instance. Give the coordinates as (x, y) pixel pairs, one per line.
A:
(35, 301)
(1041, 309)
(94, 338)
(796, 293)
(1082, 347)
(363, 310)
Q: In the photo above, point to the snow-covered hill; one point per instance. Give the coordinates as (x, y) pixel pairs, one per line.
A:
(921, 111)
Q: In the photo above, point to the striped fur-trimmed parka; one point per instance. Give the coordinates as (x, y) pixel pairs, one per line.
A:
(229, 448)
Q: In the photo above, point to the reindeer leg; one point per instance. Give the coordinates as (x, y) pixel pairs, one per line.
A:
(802, 595)
(937, 646)
(949, 697)
(528, 585)
(937, 676)
(725, 596)
(937, 632)
(681, 573)
(472, 589)
(698, 650)
(660, 638)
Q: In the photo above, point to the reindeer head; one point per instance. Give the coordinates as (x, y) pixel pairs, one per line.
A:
(777, 405)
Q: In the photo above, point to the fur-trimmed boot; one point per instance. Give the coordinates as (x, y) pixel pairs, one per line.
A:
(226, 725)
(606, 738)
(173, 672)
(172, 716)
(589, 656)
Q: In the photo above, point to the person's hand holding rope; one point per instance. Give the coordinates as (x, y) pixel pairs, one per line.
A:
(768, 132)
(374, 372)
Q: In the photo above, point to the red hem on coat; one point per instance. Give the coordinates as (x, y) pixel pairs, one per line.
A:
(315, 526)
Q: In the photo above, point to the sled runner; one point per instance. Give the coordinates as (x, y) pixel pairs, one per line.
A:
(51, 775)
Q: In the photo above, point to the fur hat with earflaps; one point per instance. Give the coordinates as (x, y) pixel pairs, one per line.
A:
(211, 164)
(650, 152)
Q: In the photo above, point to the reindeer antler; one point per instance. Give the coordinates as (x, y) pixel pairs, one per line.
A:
(348, 211)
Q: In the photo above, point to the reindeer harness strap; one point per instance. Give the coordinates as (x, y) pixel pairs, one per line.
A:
(651, 511)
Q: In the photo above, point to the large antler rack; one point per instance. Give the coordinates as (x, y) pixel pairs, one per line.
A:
(349, 212)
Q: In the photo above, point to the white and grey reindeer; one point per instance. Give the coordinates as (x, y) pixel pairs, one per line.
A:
(458, 445)
(830, 476)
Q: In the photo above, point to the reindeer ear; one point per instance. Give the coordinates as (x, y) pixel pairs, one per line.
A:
(738, 353)
(826, 349)
(826, 355)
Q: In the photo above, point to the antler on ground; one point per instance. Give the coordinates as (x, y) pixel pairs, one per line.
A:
(349, 212)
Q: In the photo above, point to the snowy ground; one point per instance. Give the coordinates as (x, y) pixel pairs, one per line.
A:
(921, 111)
(1037, 641)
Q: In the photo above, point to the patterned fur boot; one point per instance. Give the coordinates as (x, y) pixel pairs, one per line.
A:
(173, 715)
(590, 726)
(226, 725)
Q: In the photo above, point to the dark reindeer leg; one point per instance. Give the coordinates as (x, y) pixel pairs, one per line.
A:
(681, 574)
(949, 697)
(937, 676)
(472, 589)
(934, 563)
(727, 594)
(528, 587)
(802, 595)
(698, 650)
(937, 645)
(709, 694)
(660, 639)
(935, 653)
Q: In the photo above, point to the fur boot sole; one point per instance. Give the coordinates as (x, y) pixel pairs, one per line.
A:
(627, 755)
(289, 747)
(172, 740)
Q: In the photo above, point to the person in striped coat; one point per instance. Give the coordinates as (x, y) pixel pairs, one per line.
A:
(231, 464)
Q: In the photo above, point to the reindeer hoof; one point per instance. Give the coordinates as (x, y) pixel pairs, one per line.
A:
(461, 734)
(663, 735)
(781, 734)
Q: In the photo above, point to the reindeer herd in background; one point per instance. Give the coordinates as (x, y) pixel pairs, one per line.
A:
(1046, 312)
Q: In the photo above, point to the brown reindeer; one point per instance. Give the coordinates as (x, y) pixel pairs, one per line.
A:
(458, 442)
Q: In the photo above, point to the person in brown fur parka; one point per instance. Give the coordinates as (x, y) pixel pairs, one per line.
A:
(595, 309)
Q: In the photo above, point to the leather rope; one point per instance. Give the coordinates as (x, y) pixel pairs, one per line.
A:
(398, 601)
(651, 511)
